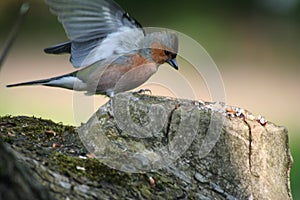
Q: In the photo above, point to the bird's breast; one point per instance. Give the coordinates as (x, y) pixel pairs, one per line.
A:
(135, 77)
(125, 73)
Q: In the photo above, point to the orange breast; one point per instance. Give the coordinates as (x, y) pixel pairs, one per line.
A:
(158, 53)
(107, 78)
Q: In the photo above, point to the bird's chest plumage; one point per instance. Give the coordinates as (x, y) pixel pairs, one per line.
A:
(125, 73)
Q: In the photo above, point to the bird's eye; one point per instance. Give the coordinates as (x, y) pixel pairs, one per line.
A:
(167, 53)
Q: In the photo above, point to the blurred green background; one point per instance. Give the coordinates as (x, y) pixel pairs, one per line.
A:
(255, 44)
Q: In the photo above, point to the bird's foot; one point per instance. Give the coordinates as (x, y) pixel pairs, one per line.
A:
(144, 91)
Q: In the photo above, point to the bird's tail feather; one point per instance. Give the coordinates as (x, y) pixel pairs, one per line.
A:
(59, 48)
(38, 82)
(64, 81)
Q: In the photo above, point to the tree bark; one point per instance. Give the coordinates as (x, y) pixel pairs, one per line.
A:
(148, 147)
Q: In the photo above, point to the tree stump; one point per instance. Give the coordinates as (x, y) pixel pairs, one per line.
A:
(149, 147)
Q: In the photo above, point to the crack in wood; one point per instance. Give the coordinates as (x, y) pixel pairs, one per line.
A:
(250, 145)
(170, 121)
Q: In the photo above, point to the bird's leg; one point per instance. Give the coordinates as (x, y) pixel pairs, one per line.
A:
(110, 110)
(110, 93)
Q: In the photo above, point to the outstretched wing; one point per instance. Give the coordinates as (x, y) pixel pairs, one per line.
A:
(88, 22)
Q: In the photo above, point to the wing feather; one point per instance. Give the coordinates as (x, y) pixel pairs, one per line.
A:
(87, 24)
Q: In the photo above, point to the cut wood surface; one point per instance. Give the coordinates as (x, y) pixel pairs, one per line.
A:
(147, 147)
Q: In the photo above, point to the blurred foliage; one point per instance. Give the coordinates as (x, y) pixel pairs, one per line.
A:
(295, 175)
(210, 22)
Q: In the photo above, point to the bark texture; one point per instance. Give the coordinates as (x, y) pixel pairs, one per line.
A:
(156, 147)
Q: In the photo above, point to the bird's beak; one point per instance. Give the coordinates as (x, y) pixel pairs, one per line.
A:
(173, 63)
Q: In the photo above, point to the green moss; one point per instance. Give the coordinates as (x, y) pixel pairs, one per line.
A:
(31, 126)
(28, 134)
(95, 171)
(90, 168)
(8, 140)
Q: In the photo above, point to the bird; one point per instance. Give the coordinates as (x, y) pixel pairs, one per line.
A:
(112, 50)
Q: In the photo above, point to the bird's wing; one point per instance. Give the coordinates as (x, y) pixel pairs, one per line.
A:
(88, 22)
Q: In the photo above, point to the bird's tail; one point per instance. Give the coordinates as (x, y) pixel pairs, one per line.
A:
(38, 82)
(59, 48)
(64, 81)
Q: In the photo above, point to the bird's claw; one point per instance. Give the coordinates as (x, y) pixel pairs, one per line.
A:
(144, 91)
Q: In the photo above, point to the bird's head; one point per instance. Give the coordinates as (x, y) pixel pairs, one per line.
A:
(163, 47)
